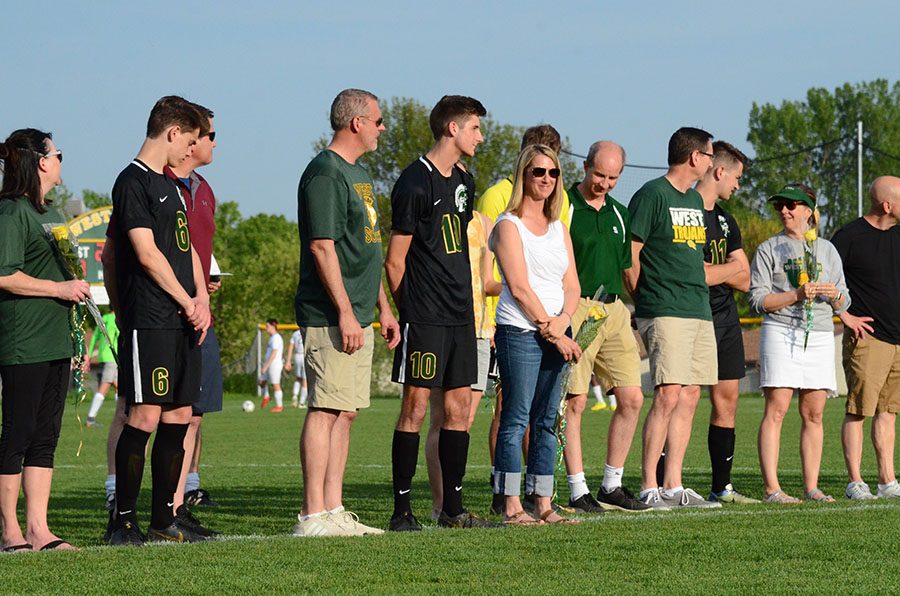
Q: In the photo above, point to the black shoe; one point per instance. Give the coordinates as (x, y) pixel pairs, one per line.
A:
(498, 504)
(585, 504)
(111, 524)
(621, 499)
(184, 516)
(175, 532)
(126, 534)
(466, 520)
(405, 522)
(199, 497)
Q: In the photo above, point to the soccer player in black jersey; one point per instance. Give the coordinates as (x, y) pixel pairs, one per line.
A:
(159, 294)
(427, 267)
(727, 270)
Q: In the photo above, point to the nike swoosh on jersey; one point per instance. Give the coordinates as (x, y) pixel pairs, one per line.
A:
(163, 199)
(438, 201)
(403, 492)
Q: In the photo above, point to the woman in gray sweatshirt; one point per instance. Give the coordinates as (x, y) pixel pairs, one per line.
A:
(796, 349)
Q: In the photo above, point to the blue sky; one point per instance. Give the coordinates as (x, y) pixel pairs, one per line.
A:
(632, 72)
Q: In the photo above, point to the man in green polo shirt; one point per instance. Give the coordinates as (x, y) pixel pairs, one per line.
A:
(601, 241)
(668, 282)
(339, 288)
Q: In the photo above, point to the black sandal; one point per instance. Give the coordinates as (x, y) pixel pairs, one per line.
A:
(55, 544)
(17, 548)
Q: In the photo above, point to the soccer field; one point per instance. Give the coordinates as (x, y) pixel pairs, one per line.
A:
(250, 466)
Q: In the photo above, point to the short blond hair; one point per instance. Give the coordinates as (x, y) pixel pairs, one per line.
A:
(553, 204)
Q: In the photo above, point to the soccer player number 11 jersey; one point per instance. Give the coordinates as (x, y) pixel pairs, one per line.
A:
(435, 210)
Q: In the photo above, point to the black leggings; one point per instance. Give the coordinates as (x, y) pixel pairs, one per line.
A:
(34, 396)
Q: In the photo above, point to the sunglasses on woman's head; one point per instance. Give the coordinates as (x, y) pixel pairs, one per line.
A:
(541, 172)
(791, 205)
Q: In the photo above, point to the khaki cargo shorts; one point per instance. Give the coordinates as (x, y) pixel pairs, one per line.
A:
(682, 351)
(613, 355)
(872, 368)
(336, 380)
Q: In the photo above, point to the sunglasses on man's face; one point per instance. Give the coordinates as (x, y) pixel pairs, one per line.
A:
(212, 136)
(541, 172)
(791, 205)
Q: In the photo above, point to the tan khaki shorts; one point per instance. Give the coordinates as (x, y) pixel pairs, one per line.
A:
(873, 375)
(682, 351)
(337, 381)
(613, 356)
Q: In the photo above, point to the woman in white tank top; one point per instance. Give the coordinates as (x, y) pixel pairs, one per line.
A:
(540, 293)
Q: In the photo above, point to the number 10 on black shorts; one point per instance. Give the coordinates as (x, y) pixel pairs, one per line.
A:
(436, 356)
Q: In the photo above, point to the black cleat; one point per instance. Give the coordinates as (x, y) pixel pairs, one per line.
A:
(126, 534)
(466, 520)
(498, 504)
(586, 504)
(199, 497)
(621, 499)
(175, 532)
(184, 517)
(111, 524)
(405, 522)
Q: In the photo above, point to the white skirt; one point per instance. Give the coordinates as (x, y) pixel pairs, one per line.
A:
(784, 363)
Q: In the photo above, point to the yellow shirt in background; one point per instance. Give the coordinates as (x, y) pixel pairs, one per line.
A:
(477, 234)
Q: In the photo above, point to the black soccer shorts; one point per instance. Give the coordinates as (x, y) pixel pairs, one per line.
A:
(436, 356)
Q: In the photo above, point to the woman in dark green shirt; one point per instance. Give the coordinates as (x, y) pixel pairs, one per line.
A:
(35, 341)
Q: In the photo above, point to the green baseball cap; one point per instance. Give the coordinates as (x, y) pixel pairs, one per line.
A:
(792, 193)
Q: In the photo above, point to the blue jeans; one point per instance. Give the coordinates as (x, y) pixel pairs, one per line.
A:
(530, 370)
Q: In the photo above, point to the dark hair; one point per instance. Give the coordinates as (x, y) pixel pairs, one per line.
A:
(453, 108)
(728, 153)
(207, 116)
(273, 322)
(542, 134)
(685, 141)
(172, 110)
(21, 154)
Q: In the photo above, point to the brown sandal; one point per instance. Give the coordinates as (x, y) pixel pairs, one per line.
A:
(565, 521)
(520, 518)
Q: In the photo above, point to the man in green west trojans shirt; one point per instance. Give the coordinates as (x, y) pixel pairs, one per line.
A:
(671, 298)
(601, 241)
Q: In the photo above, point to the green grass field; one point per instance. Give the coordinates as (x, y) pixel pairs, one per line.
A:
(251, 467)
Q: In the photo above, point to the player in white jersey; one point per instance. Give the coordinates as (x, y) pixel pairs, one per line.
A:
(295, 360)
(270, 374)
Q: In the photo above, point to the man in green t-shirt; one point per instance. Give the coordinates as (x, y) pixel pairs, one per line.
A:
(340, 285)
(601, 242)
(668, 283)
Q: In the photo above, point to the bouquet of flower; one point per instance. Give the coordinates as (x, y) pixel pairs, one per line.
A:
(65, 247)
(808, 273)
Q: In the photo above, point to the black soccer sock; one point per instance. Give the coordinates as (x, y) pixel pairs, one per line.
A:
(166, 460)
(661, 469)
(721, 455)
(129, 471)
(453, 452)
(404, 454)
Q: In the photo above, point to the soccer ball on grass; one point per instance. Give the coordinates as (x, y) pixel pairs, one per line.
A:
(248, 406)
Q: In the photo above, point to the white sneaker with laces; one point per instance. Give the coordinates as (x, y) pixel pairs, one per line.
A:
(859, 491)
(688, 498)
(316, 525)
(889, 491)
(653, 497)
(349, 524)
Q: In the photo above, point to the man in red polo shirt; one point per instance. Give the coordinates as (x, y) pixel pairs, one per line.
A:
(201, 208)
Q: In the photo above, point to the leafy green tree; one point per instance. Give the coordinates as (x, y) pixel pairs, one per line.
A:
(814, 141)
(262, 252)
(95, 200)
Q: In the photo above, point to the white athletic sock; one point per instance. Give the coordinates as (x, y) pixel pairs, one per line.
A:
(95, 405)
(296, 391)
(278, 398)
(336, 510)
(886, 486)
(598, 393)
(192, 482)
(110, 485)
(673, 492)
(612, 478)
(259, 391)
(577, 486)
(612, 400)
(303, 518)
(303, 395)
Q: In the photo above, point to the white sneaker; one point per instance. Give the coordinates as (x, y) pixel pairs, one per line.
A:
(349, 525)
(889, 491)
(688, 498)
(859, 491)
(316, 525)
(295, 402)
(653, 497)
